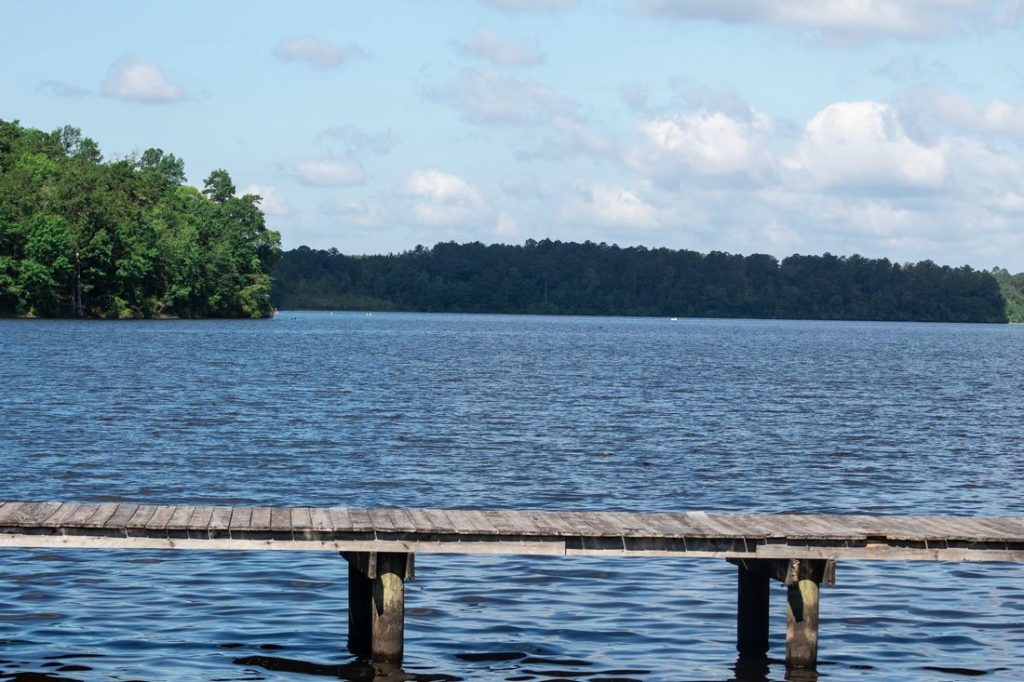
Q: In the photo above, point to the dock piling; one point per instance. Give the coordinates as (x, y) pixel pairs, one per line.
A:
(802, 597)
(376, 604)
(752, 609)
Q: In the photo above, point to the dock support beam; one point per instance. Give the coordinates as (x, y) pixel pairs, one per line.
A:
(802, 588)
(376, 604)
(802, 578)
(752, 613)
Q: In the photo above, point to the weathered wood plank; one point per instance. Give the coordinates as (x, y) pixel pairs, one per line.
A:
(381, 521)
(141, 517)
(280, 520)
(440, 521)
(160, 517)
(103, 513)
(361, 521)
(479, 522)
(558, 522)
(58, 517)
(401, 521)
(260, 520)
(341, 519)
(121, 517)
(30, 514)
(179, 518)
(199, 522)
(241, 518)
(420, 521)
(509, 522)
(220, 520)
(320, 520)
(587, 524)
(9, 510)
(301, 519)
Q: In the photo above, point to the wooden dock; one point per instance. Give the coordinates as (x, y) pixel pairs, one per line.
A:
(799, 550)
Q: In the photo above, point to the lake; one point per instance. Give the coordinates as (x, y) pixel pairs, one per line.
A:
(352, 409)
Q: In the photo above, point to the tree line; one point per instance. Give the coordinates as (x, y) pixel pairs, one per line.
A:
(554, 277)
(84, 237)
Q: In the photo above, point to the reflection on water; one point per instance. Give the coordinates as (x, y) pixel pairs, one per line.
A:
(421, 410)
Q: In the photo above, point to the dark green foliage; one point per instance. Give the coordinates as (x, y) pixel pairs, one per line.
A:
(553, 277)
(125, 238)
(1012, 287)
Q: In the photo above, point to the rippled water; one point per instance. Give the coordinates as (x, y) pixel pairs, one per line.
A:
(517, 412)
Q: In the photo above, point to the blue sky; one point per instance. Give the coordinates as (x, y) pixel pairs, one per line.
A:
(851, 126)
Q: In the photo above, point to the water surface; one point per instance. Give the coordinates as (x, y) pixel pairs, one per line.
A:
(505, 412)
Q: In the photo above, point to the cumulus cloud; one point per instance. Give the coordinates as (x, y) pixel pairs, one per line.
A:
(609, 205)
(326, 173)
(863, 145)
(703, 143)
(272, 202)
(488, 46)
(855, 179)
(444, 200)
(133, 80)
(61, 89)
(853, 18)
(934, 108)
(316, 52)
(490, 98)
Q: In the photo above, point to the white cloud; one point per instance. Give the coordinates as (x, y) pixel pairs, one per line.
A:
(488, 97)
(609, 205)
(134, 80)
(489, 46)
(863, 146)
(852, 18)
(953, 110)
(704, 143)
(272, 203)
(317, 52)
(444, 200)
(327, 173)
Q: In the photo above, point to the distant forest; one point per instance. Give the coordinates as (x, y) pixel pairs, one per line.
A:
(81, 237)
(553, 277)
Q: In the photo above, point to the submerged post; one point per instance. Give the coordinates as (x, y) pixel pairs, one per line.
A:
(376, 604)
(803, 585)
(360, 604)
(752, 610)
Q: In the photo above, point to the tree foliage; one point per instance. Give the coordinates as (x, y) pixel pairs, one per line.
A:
(553, 277)
(1012, 287)
(124, 238)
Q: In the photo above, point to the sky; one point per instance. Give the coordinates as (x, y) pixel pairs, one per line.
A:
(884, 128)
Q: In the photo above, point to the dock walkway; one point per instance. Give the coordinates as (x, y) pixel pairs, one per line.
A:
(799, 550)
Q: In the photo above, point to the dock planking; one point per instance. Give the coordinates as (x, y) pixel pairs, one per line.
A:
(469, 531)
(379, 545)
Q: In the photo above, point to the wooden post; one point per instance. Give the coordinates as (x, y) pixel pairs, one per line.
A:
(376, 604)
(360, 604)
(802, 587)
(752, 611)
